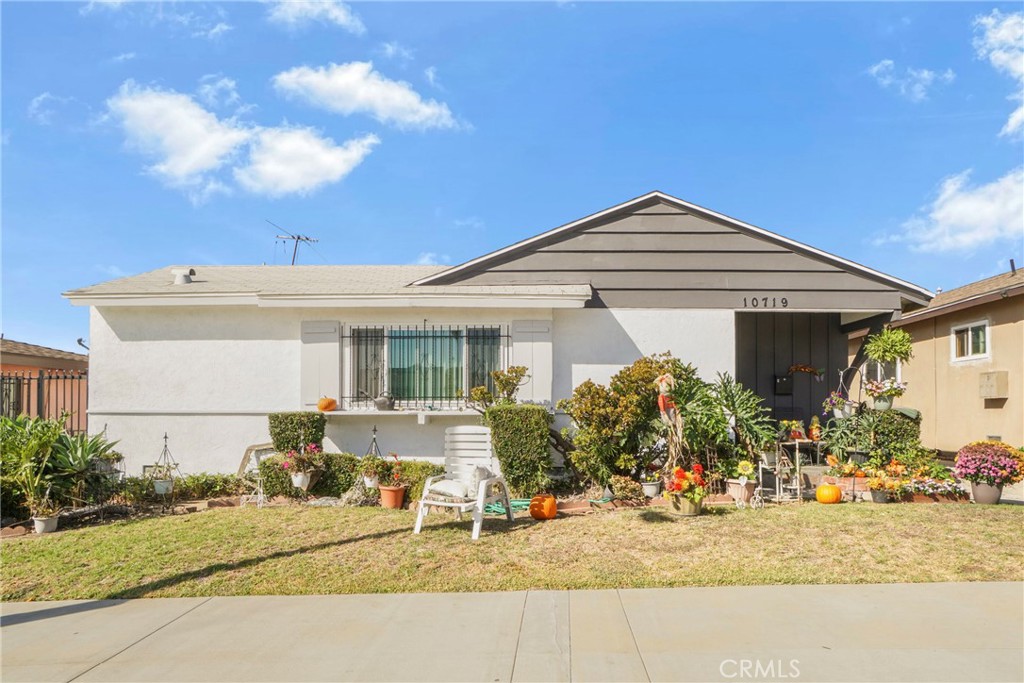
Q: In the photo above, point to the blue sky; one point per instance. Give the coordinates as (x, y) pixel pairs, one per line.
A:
(138, 135)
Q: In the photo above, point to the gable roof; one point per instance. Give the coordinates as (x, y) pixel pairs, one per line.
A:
(11, 347)
(918, 294)
(999, 286)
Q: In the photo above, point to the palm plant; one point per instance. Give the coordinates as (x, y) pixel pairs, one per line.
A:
(28, 446)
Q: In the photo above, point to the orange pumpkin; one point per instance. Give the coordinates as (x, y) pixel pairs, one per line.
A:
(326, 404)
(543, 507)
(828, 494)
(860, 474)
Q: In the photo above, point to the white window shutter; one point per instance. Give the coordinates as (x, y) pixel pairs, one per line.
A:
(531, 346)
(321, 361)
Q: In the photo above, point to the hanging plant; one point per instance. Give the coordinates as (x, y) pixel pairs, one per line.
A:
(890, 345)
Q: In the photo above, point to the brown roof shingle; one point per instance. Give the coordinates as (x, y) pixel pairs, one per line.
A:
(23, 349)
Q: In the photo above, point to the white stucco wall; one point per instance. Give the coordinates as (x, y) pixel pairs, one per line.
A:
(209, 375)
(595, 343)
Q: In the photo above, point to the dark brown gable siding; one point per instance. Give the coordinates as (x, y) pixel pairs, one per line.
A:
(661, 257)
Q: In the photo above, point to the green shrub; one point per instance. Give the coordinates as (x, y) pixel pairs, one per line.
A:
(206, 485)
(617, 424)
(896, 432)
(414, 475)
(289, 431)
(519, 434)
(336, 477)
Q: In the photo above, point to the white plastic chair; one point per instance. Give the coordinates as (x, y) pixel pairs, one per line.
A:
(465, 449)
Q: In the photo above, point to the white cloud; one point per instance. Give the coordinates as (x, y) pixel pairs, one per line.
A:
(188, 141)
(999, 38)
(213, 32)
(912, 84)
(430, 258)
(356, 88)
(93, 5)
(964, 217)
(298, 160)
(43, 107)
(431, 74)
(295, 13)
(397, 51)
(113, 271)
(123, 57)
(215, 90)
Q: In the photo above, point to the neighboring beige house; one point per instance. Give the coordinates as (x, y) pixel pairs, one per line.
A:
(967, 374)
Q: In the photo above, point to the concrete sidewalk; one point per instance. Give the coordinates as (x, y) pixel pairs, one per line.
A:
(900, 632)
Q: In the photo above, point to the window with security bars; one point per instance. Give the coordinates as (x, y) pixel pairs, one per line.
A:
(424, 366)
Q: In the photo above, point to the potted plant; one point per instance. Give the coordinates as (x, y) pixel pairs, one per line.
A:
(686, 491)
(370, 468)
(889, 345)
(879, 488)
(29, 443)
(988, 465)
(301, 463)
(393, 495)
(884, 391)
(837, 404)
(651, 483)
(163, 480)
(740, 483)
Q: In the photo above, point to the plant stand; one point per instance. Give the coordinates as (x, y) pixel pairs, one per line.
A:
(165, 487)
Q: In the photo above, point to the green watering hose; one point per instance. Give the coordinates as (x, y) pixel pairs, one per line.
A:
(520, 504)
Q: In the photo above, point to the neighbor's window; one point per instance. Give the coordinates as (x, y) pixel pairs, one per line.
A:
(970, 341)
(424, 365)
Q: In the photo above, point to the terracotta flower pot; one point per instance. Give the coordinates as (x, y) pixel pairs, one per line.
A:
(986, 494)
(740, 492)
(392, 496)
(684, 507)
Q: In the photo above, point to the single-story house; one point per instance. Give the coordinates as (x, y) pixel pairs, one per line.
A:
(967, 373)
(205, 357)
(40, 381)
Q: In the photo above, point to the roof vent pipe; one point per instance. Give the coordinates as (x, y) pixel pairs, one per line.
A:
(183, 276)
(1013, 267)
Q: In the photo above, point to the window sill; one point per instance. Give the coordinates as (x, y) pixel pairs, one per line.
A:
(422, 416)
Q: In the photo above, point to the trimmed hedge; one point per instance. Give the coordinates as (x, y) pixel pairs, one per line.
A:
(896, 432)
(289, 431)
(519, 435)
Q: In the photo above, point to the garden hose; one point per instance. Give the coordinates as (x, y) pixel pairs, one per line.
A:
(518, 504)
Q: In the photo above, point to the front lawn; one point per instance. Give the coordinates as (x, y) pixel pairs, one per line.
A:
(302, 550)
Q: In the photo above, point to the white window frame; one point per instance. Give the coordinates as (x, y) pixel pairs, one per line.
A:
(864, 379)
(953, 358)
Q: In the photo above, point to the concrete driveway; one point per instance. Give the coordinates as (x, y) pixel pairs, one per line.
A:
(898, 632)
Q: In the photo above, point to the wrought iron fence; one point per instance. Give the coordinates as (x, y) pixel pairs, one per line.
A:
(421, 366)
(48, 394)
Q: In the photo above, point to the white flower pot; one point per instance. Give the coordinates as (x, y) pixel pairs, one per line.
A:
(651, 488)
(45, 525)
(844, 412)
(163, 487)
(300, 480)
(370, 482)
(883, 403)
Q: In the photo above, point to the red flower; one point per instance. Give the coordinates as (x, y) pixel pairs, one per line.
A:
(698, 468)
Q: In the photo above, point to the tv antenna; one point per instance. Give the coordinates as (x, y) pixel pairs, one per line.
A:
(296, 238)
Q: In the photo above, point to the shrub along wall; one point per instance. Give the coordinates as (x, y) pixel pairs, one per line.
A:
(289, 431)
(519, 435)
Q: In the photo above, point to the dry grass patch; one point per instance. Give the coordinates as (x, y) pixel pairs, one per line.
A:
(298, 550)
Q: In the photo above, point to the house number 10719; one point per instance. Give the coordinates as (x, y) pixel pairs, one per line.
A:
(765, 302)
